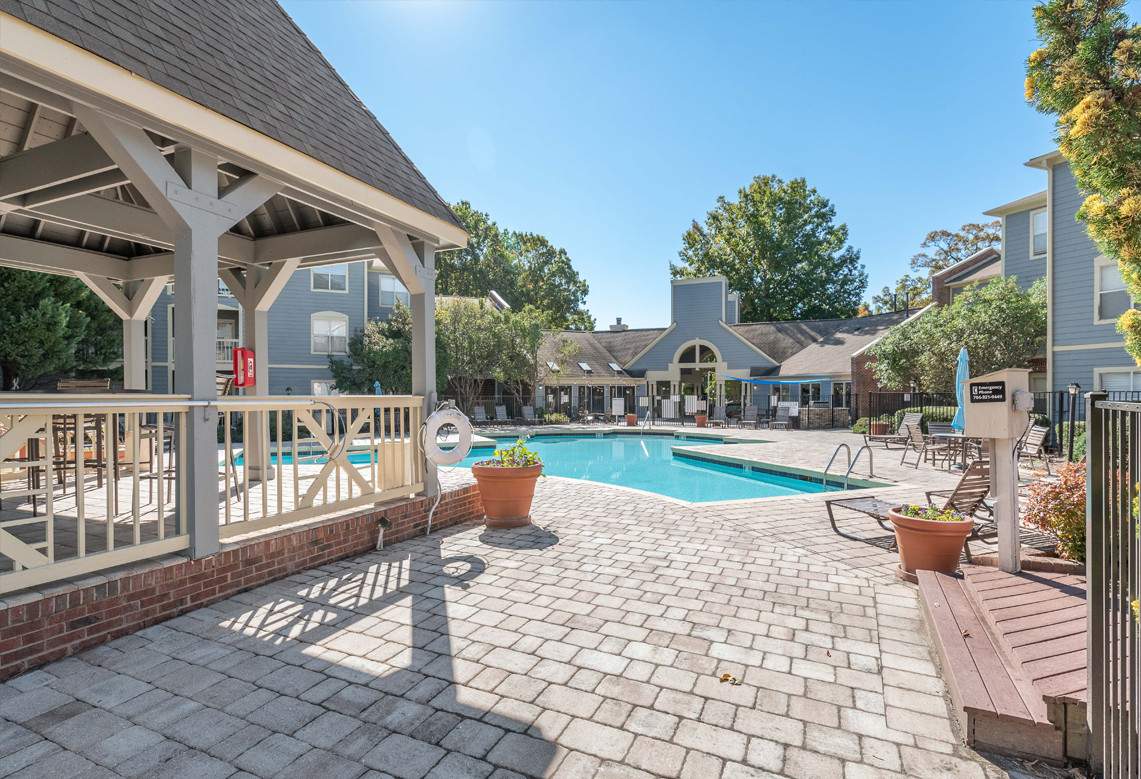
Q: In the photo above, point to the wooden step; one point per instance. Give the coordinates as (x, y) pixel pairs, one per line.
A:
(998, 707)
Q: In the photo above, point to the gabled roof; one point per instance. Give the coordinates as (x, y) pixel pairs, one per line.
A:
(1036, 200)
(831, 355)
(625, 345)
(587, 349)
(248, 61)
(962, 269)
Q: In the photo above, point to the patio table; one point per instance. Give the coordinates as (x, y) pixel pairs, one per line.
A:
(959, 439)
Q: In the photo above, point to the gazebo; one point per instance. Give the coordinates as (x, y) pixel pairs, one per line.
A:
(138, 149)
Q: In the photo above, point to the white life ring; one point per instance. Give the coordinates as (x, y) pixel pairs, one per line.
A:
(438, 420)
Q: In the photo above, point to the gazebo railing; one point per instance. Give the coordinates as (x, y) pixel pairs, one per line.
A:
(92, 482)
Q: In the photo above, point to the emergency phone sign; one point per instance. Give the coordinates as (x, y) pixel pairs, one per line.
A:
(245, 373)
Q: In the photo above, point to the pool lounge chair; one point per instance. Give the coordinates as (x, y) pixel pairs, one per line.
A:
(899, 436)
(781, 420)
(529, 415)
(1033, 445)
(719, 418)
(501, 414)
(924, 447)
(967, 498)
(748, 417)
(479, 415)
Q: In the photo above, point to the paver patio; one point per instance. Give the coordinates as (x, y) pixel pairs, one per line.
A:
(591, 644)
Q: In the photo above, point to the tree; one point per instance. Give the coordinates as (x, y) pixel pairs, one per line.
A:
(943, 248)
(1088, 74)
(517, 366)
(525, 268)
(471, 334)
(779, 247)
(52, 324)
(1001, 325)
(939, 250)
(383, 352)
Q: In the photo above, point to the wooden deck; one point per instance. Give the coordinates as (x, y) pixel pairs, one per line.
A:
(1013, 652)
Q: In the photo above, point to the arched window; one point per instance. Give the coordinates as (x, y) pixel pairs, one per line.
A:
(689, 355)
(329, 333)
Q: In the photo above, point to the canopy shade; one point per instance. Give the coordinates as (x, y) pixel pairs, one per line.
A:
(807, 380)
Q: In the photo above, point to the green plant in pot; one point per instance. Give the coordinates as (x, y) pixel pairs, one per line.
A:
(929, 538)
(507, 485)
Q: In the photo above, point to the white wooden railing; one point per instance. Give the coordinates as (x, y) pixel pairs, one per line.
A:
(224, 350)
(89, 482)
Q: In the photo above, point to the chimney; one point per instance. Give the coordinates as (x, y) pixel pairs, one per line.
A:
(618, 326)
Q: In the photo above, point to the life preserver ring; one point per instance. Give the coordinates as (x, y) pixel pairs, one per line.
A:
(438, 420)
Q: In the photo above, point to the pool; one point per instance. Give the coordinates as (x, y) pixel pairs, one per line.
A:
(648, 463)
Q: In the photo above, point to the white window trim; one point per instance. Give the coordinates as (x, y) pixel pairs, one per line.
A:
(1100, 262)
(1099, 372)
(325, 269)
(1045, 251)
(330, 315)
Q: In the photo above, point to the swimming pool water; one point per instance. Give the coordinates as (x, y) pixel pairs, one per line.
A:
(647, 463)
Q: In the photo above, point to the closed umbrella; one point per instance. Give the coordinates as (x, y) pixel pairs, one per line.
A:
(962, 376)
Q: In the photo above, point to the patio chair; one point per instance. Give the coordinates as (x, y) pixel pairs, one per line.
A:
(719, 418)
(900, 436)
(501, 414)
(479, 415)
(749, 417)
(1032, 446)
(529, 415)
(923, 446)
(967, 498)
(781, 420)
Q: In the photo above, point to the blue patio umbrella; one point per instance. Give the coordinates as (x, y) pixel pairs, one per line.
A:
(962, 376)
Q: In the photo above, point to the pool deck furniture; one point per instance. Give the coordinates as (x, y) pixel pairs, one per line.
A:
(1032, 446)
(479, 415)
(923, 446)
(1013, 652)
(781, 420)
(529, 415)
(900, 436)
(501, 414)
(749, 416)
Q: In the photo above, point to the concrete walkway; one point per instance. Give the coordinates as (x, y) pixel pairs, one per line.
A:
(591, 644)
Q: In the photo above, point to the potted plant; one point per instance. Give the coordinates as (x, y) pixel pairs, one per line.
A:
(878, 427)
(507, 485)
(631, 420)
(929, 538)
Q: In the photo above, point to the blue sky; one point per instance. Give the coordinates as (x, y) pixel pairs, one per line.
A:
(608, 127)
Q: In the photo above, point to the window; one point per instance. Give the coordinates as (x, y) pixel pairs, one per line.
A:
(331, 278)
(614, 367)
(586, 367)
(786, 394)
(1123, 380)
(841, 394)
(1038, 222)
(553, 367)
(689, 355)
(329, 333)
(322, 387)
(809, 393)
(1110, 298)
(391, 290)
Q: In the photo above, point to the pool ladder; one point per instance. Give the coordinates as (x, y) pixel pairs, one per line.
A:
(851, 462)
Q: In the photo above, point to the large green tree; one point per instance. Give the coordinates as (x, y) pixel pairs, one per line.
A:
(779, 246)
(52, 324)
(1087, 73)
(940, 249)
(1001, 325)
(525, 268)
(383, 352)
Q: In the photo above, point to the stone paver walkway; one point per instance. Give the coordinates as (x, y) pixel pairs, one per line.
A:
(592, 644)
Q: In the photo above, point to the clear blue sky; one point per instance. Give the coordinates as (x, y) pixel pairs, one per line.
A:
(608, 127)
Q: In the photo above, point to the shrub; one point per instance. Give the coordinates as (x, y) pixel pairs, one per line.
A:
(930, 414)
(861, 426)
(556, 418)
(1059, 508)
(1079, 440)
(931, 514)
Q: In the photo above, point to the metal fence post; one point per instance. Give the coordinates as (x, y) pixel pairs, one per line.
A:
(1095, 573)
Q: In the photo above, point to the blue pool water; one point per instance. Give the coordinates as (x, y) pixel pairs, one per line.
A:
(647, 463)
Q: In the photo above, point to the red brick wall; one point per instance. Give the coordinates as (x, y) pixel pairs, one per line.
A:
(37, 631)
(863, 382)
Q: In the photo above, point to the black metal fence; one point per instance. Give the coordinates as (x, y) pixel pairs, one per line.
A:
(1113, 563)
(888, 408)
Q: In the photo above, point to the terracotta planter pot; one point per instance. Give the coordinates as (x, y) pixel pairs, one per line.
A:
(506, 494)
(925, 545)
(878, 428)
(702, 419)
(631, 420)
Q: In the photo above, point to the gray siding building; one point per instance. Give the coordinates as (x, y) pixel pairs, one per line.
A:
(1042, 237)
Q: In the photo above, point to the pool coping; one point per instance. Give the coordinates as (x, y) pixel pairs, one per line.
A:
(776, 469)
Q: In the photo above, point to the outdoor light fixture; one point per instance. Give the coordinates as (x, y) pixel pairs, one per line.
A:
(1073, 389)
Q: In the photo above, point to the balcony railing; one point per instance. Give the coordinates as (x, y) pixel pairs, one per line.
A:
(92, 482)
(224, 350)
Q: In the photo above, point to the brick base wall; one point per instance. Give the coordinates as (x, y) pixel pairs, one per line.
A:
(38, 628)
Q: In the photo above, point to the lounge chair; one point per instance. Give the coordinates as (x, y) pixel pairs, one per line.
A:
(719, 418)
(967, 498)
(923, 446)
(781, 420)
(749, 417)
(501, 414)
(1033, 445)
(900, 436)
(529, 415)
(479, 415)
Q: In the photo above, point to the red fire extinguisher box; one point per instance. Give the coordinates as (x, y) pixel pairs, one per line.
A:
(245, 372)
